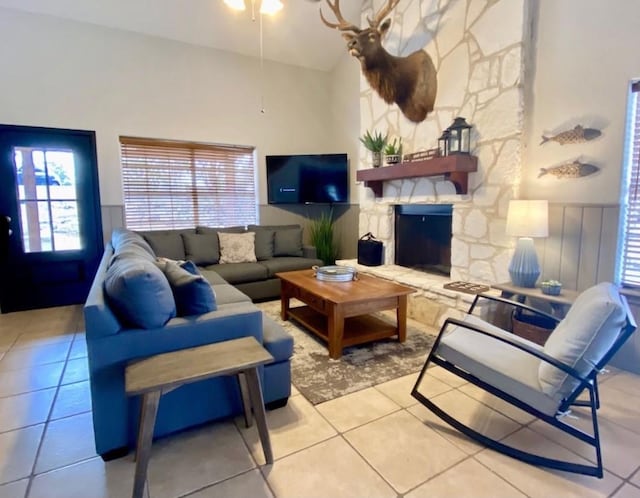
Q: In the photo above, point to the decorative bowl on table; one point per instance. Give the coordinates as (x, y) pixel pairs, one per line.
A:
(551, 287)
(335, 273)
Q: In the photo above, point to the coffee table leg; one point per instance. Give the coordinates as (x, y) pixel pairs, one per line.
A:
(284, 300)
(401, 315)
(335, 324)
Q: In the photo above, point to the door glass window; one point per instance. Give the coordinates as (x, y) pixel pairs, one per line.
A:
(47, 194)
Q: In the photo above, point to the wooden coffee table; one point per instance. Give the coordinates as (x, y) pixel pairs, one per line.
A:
(339, 312)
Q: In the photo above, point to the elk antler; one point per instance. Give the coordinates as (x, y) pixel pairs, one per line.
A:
(382, 13)
(342, 24)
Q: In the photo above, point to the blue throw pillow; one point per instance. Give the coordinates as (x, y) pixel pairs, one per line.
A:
(191, 267)
(192, 293)
(139, 293)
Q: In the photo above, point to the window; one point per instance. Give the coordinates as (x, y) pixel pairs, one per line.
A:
(629, 264)
(171, 184)
(46, 188)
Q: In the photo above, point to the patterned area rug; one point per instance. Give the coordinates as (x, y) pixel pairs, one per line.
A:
(319, 378)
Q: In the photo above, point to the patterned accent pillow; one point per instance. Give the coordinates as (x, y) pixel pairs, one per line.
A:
(237, 247)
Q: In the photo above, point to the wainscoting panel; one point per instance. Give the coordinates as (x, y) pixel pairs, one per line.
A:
(112, 217)
(581, 248)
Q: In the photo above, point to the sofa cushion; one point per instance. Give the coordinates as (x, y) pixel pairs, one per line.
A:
(132, 249)
(192, 293)
(212, 277)
(139, 293)
(237, 273)
(167, 245)
(121, 237)
(237, 247)
(201, 248)
(228, 294)
(287, 238)
(215, 230)
(276, 340)
(264, 243)
(582, 338)
(289, 263)
(288, 242)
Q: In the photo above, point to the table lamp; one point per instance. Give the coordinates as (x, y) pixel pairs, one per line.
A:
(526, 219)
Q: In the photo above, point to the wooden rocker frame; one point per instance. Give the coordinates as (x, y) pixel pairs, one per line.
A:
(587, 382)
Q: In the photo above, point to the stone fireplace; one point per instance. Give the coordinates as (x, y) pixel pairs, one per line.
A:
(479, 52)
(423, 237)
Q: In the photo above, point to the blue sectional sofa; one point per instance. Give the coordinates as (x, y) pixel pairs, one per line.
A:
(113, 341)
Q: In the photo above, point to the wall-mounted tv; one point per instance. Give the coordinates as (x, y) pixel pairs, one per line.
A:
(308, 178)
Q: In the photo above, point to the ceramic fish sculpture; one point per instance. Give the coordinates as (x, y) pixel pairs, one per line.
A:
(576, 169)
(575, 136)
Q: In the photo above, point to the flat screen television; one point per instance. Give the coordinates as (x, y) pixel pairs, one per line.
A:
(308, 178)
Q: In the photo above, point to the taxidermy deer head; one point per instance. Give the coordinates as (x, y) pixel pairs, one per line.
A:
(408, 81)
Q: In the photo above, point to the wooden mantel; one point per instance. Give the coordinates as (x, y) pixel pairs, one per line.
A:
(455, 168)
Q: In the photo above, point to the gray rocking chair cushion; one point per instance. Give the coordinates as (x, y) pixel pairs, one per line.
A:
(497, 363)
(583, 337)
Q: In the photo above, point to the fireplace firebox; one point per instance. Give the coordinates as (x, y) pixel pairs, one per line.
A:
(423, 237)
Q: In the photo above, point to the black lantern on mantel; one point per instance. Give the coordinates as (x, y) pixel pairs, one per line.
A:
(443, 143)
(459, 137)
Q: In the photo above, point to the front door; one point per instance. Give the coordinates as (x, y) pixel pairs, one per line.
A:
(51, 230)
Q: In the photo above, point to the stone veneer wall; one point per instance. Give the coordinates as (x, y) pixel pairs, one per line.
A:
(478, 49)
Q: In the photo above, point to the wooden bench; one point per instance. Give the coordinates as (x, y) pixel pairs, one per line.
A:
(162, 373)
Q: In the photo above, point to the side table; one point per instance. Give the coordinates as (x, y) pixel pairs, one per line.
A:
(559, 304)
(159, 374)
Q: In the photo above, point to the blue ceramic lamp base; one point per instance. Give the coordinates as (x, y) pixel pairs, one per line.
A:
(524, 268)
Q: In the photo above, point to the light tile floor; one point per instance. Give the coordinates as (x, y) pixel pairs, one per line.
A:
(378, 442)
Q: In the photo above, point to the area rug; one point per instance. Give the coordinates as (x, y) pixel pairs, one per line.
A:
(320, 379)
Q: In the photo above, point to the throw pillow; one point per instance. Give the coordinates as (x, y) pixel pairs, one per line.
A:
(237, 247)
(139, 293)
(191, 267)
(201, 248)
(192, 293)
(288, 242)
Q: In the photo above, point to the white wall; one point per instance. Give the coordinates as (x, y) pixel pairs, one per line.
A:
(61, 73)
(345, 113)
(586, 51)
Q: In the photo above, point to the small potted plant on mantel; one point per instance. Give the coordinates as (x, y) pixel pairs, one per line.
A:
(393, 152)
(375, 143)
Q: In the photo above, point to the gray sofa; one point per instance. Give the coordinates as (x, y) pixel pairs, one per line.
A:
(278, 248)
(133, 311)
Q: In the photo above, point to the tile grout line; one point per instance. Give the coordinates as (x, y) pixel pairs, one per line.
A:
(46, 425)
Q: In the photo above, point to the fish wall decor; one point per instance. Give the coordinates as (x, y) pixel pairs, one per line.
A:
(575, 136)
(574, 169)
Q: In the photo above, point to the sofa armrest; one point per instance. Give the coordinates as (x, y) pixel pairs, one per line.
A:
(309, 252)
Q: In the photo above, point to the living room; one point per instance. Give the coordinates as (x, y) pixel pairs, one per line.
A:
(515, 70)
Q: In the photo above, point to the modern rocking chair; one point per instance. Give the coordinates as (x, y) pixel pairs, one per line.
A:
(543, 381)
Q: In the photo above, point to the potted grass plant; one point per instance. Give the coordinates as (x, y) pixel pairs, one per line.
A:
(375, 143)
(393, 151)
(322, 238)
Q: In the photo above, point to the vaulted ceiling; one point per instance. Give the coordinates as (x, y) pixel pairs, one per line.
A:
(295, 35)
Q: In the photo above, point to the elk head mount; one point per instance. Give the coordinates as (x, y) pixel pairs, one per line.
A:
(408, 81)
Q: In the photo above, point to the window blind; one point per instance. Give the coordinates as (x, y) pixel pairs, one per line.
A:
(171, 184)
(630, 271)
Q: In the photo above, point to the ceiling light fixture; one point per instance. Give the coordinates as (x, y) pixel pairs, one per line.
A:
(266, 6)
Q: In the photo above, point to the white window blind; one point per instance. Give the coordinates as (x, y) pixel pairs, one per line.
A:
(630, 270)
(171, 184)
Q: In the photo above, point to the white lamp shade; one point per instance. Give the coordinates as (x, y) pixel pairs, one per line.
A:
(526, 218)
